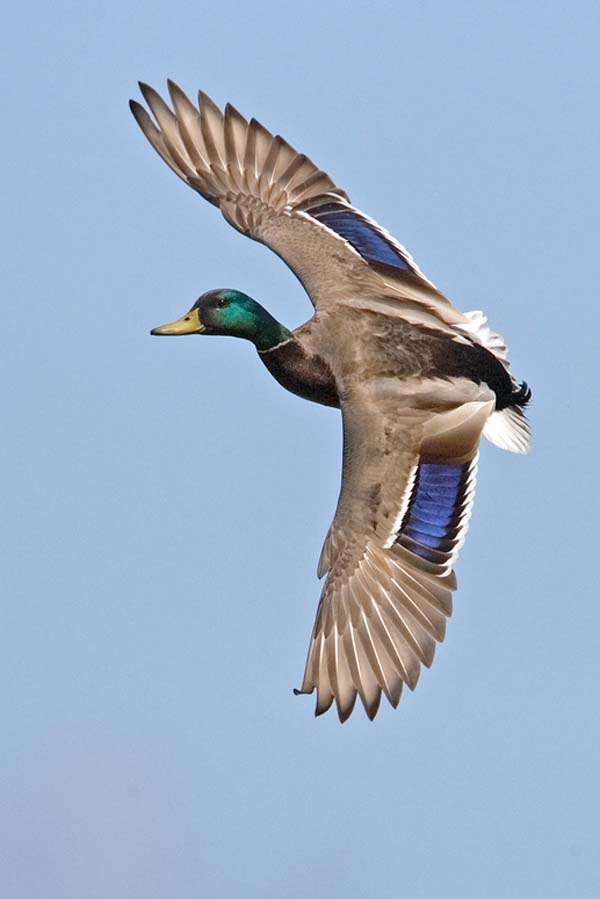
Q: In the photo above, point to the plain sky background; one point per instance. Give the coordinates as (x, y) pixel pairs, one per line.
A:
(165, 501)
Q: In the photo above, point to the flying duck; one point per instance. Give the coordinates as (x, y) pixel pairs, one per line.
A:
(417, 381)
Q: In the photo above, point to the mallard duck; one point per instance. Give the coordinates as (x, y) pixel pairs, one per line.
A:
(417, 381)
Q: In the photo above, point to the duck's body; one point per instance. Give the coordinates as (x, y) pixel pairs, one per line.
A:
(383, 347)
(418, 382)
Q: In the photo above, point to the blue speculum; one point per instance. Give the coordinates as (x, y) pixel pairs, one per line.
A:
(360, 234)
(435, 509)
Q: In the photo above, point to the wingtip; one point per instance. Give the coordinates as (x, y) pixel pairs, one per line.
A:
(205, 100)
(139, 113)
(344, 713)
(149, 94)
(324, 703)
(371, 708)
(174, 89)
(230, 110)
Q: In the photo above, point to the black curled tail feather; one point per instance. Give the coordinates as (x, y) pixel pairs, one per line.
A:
(519, 395)
(522, 396)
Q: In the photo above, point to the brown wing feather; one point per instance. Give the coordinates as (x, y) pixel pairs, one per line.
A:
(384, 607)
(263, 188)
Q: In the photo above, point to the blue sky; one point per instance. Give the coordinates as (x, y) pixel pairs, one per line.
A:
(165, 501)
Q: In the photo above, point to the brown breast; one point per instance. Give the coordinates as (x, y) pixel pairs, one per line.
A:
(301, 373)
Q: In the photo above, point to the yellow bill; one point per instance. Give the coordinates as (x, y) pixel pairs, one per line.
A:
(188, 324)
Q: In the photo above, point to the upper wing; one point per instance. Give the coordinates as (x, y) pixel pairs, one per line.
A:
(407, 488)
(277, 196)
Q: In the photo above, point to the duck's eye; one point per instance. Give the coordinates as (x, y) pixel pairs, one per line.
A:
(221, 302)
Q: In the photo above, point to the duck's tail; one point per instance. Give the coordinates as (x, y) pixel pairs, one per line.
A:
(509, 428)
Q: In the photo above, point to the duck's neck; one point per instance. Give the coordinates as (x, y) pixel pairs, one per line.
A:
(270, 333)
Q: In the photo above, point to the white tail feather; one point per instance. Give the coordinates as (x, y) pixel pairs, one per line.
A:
(478, 328)
(509, 430)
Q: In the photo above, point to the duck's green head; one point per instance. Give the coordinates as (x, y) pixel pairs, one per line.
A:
(230, 313)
